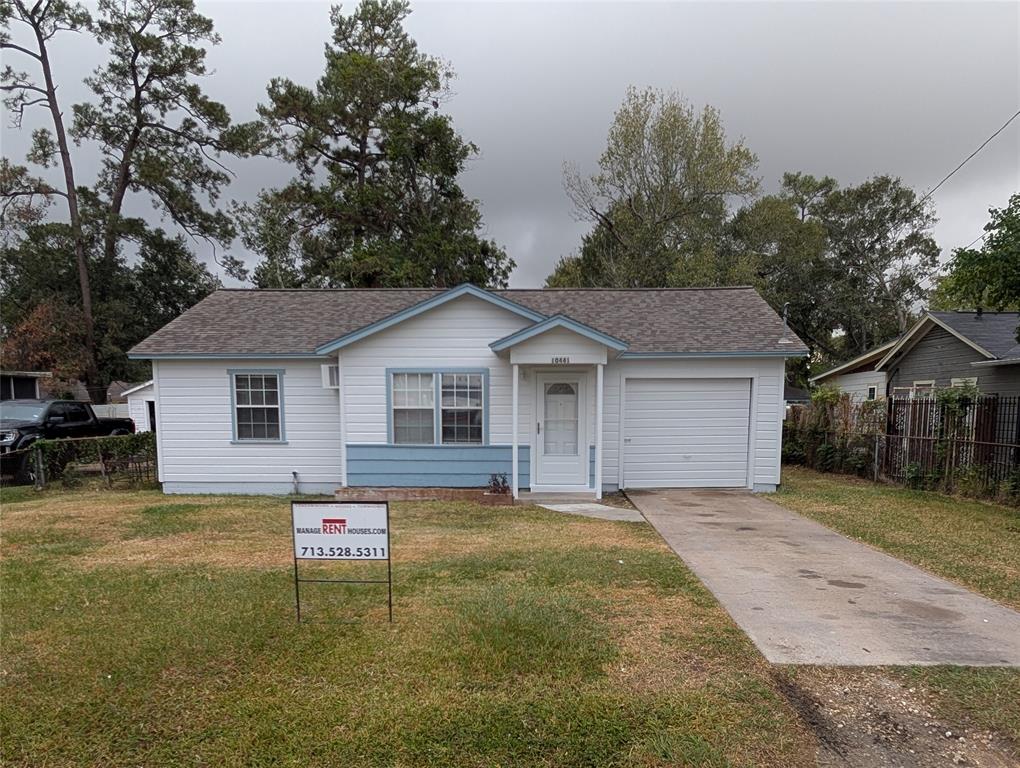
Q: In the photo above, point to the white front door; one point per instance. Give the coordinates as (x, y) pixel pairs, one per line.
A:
(561, 436)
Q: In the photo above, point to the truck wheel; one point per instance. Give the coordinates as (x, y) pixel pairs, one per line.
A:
(119, 432)
(25, 474)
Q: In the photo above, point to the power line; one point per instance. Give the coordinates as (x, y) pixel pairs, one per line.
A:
(931, 278)
(969, 157)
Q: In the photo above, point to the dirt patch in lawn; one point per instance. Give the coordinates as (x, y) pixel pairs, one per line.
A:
(870, 719)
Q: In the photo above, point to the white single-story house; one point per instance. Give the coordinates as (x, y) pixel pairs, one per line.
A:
(141, 402)
(586, 391)
(858, 377)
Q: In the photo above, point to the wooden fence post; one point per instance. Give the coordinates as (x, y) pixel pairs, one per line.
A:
(878, 438)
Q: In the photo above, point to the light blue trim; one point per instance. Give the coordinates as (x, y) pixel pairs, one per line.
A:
(670, 355)
(437, 409)
(558, 321)
(591, 466)
(231, 373)
(433, 466)
(467, 289)
(225, 356)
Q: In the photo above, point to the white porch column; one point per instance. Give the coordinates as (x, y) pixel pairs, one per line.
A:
(599, 386)
(343, 420)
(513, 442)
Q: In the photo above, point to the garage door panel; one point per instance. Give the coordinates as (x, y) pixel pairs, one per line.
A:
(686, 432)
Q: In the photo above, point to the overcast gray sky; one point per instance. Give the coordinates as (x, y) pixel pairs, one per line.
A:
(849, 90)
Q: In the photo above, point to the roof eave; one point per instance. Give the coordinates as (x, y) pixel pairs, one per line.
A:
(864, 359)
(740, 353)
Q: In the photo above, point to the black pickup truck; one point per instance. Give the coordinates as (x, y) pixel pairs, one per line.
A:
(22, 422)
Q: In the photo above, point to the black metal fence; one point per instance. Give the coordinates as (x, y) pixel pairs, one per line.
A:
(953, 444)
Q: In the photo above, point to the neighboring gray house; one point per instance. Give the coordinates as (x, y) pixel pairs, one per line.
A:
(946, 349)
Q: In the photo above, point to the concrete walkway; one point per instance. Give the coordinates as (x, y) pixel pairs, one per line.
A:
(596, 510)
(807, 595)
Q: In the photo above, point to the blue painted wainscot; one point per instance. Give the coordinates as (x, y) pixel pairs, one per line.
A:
(439, 466)
(433, 466)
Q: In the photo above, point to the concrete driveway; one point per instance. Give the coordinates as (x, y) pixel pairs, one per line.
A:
(807, 595)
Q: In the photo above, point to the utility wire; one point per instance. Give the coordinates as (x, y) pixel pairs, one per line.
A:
(969, 157)
(930, 278)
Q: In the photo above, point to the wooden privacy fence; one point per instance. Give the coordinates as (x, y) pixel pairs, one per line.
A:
(949, 442)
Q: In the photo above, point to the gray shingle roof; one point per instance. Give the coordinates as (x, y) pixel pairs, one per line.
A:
(280, 322)
(994, 331)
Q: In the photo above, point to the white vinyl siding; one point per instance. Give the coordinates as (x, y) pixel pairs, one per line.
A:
(454, 335)
(686, 433)
(195, 424)
(857, 384)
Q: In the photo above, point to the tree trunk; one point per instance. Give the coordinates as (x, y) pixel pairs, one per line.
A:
(95, 386)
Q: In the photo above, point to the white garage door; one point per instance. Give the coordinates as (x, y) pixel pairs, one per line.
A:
(686, 433)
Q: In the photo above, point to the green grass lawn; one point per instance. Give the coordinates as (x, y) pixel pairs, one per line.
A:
(974, 543)
(145, 630)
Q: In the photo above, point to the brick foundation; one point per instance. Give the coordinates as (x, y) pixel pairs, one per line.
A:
(476, 495)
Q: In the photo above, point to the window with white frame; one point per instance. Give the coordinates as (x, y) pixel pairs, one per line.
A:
(872, 392)
(964, 381)
(257, 414)
(461, 408)
(330, 376)
(413, 401)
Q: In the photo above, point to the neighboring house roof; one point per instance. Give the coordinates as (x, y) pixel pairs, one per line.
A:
(136, 388)
(869, 358)
(28, 374)
(992, 335)
(118, 389)
(246, 323)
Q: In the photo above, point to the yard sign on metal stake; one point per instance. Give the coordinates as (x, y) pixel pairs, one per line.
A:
(341, 530)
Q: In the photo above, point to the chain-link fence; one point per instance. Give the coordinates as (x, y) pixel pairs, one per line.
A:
(127, 461)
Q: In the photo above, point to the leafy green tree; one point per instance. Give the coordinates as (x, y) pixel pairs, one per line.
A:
(851, 263)
(18, 187)
(659, 200)
(988, 276)
(160, 136)
(130, 301)
(375, 201)
(880, 237)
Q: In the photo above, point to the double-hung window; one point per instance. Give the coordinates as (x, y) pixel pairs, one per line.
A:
(430, 408)
(414, 409)
(257, 410)
(462, 408)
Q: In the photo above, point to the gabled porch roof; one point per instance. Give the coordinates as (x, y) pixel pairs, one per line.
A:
(424, 306)
(558, 321)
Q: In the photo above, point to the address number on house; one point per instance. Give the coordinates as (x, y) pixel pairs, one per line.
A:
(341, 531)
(561, 361)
